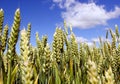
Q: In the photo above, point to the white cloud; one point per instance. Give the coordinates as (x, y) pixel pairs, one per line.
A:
(84, 40)
(90, 44)
(64, 3)
(86, 15)
(95, 39)
(98, 39)
(81, 39)
(90, 41)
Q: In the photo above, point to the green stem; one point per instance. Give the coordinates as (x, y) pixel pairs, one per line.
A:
(9, 73)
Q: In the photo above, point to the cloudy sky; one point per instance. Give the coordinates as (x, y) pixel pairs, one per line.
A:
(89, 18)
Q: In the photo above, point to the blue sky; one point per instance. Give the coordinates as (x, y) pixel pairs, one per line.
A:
(89, 18)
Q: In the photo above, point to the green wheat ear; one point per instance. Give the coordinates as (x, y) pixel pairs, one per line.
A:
(113, 39)
(14, 35)
(26, 64)
(107, 34)
(109, 76)
(1, 20)
(12, 43)
(47, 54)
(116, 31)
(118, 55)
(1, 26)
(58, 44)
(4, 38)
(29, 31)
(66, 29)
(44, 41)
(92, 72)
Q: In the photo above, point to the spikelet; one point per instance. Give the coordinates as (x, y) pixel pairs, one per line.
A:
(81, 55)
(56, 51)
(40, 51)
(14, 35)
(118, 54)
(114, 61)
(96, 54)
(116, 31)
(58, 44)
(109, 76)
(32, 55)
(26, 66)
(44, 41)
(118, 58)
(61, 40)
(29, 30)
(74, 58)
(65, 27)
(113, 39)
(11, 54)
(74, 45)
(81, 50)
(105, 50)
(107, 34)
(1, 26)
(1, 20)
(92, 72)
(47, 54)
(39, 44)
(99, 66)
(71, 28)
(82, 63)
(109, 46)
(4, 38)
(4, 42)
(88, 50)
(67, 49)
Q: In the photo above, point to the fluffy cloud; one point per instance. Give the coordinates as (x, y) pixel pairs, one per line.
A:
(98, 39)
(81, 39)
(90, 41)
(85, 15)
(84, 40)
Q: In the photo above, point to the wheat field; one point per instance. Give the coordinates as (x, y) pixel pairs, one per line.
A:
(63, 62)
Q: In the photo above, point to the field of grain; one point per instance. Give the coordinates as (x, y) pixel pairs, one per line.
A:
(65, 62)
